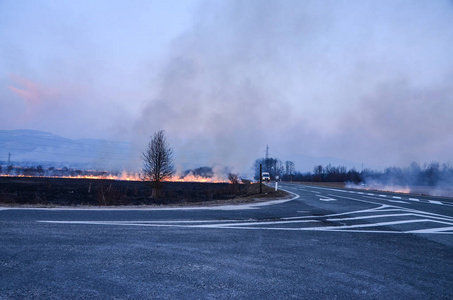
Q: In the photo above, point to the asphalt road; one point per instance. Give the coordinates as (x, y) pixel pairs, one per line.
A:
(328, 243)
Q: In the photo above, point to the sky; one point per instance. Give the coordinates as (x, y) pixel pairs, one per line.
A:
(347, 82)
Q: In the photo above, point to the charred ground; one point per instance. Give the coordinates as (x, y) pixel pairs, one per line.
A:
(100, 192)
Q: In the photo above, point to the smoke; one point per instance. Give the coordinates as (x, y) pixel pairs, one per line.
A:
(433, 179)
(356, 81)
(341, 79)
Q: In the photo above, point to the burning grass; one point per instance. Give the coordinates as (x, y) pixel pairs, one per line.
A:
(107, 192)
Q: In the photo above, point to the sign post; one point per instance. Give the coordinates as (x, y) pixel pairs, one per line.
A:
(261, 178)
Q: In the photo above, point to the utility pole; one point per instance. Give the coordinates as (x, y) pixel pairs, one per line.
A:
(267, 152)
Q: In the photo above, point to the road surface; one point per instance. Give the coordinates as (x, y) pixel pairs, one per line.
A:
(326, 243)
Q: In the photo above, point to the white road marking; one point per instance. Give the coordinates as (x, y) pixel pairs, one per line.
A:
(252, 224)
(396, 197)
(435, 202)
(397, 201)
(349, 221)
(371, 194)
(369, 217)
(380, 208)
(383, 196)
(373, 224)
(414, 199)
(432, 230)
(327, 199)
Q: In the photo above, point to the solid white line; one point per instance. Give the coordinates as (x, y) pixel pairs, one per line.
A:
(377, 224)
(176, 223)
(360, 211)
(370, 217)
(428, 214)
(299, 218)
(432, 230)
(343, 228)
(144, 222)
(253, 223)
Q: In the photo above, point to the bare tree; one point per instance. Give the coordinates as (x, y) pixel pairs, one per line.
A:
(290, 167)
(233, 178)
(158, 160)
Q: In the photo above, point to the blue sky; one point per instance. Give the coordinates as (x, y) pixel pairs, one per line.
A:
(359, 81)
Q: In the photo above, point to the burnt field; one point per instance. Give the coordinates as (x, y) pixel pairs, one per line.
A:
(104, 192)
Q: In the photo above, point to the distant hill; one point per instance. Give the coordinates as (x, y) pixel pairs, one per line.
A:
(28, 147)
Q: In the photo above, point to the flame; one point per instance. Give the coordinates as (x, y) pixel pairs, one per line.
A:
(125, 176)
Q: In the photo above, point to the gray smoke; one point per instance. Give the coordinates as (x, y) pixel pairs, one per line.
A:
(433, 179)
(332, 81)
(354, 80)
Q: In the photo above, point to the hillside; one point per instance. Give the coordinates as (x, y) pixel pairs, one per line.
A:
(29, 147)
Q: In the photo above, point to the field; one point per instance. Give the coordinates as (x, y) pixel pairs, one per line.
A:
(100, 192)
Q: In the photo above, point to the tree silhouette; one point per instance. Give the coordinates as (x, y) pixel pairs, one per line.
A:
(158, 161)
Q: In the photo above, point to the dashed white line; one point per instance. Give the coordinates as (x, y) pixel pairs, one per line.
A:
(327, 199)
(414, 199)
(435, 202)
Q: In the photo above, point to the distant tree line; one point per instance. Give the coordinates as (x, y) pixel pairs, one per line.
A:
(51, 171)
(431, 174)
(327, 173)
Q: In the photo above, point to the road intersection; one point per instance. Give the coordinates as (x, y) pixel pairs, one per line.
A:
(323, 243)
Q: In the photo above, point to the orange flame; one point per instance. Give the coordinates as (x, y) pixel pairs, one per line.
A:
(132, 177)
